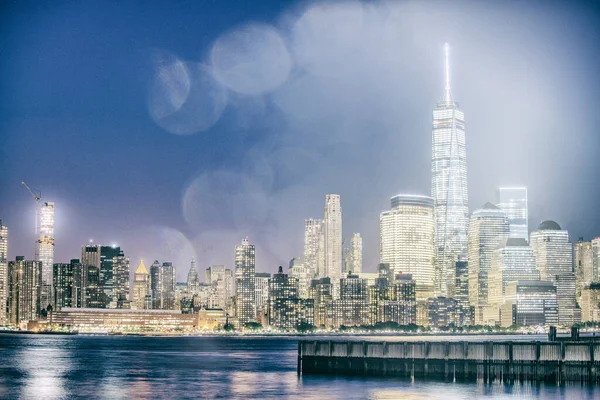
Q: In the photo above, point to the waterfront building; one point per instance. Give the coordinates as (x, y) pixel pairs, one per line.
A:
(552, 249)
(398, 302)
(583, 263)
(590, 302)
(442, 312)
(449, 187)
(3, 273)
(513, 200)
(261, 287)
(461, 291)
(343, 312)
(124, 320)
(513, 261)
(407, 240)
(529, 302)
(220, 291)
(353, 288)
(120, 284)
(568, 313)
(245, 267)
(595, 259)
(142, 298)
(24, 289)
(46, 251)
(488, 227)
(298, 270)
(283, 300)
(314, 248)
(212, 319)
(162, 286)
(99, 275)
(332, 227)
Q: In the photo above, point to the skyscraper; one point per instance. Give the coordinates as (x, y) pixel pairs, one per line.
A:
(356, 246)
(513, 200)
(162, 285)
(3, 273)
(47, 241)
(141, 288)
(120, 284)
(553, 251)
(221, 288)
(407, 240)
(298, 270)
(192, 278)
(583, 263)
(488, 228)
(261, 288)
(332, 222)
(245, 267)
(449, 187)
(24, 288)
(314, 251)
(596, 259)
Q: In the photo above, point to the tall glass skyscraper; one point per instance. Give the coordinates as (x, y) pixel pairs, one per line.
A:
(47, 241)
(245, 268)
(332, 224)
(449, 188)
(314, 252)
(513, 200)
(406, 240)
(553, 251)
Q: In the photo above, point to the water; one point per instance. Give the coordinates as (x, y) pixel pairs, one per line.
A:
(120, 367)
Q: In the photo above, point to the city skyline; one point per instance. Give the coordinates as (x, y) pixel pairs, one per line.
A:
(281, 171)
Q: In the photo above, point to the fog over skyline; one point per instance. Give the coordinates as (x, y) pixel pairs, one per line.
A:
(175, 131)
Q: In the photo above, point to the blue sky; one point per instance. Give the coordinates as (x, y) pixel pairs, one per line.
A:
(294, 100)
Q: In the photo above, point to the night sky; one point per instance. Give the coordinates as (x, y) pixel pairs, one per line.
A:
(175, 129)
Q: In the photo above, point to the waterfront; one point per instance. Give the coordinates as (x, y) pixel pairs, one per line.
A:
(61, 367)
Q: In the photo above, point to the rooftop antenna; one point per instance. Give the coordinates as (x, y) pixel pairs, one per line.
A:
(37, 195)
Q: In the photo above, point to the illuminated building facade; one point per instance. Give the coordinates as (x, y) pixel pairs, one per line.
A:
(354, 263)
(46, 251)
(488, 227)
(245, 268)
(332, 227)
(192, 278)
(513, 200)
(529, 302)
(24, 288)
(321, 292)
(142, 299)
(162, 286)
(3, 273)
(314, 248)
(120, 285)
(283, 300)
(583, 263)
(67, 288)
(590, 302)
(449, 188)
(552, 249)
(261, 288)
(407, 240)
(298, 270)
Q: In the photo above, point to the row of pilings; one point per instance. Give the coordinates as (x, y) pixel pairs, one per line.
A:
(556, 362)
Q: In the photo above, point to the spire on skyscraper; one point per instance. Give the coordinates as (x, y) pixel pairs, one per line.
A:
(447, 92)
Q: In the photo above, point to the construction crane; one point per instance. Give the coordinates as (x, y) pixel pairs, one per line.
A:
(37, 195)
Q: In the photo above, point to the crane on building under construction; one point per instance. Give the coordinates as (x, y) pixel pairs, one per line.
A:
(37, 195)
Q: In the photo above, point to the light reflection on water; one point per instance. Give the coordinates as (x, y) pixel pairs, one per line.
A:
(57, 367)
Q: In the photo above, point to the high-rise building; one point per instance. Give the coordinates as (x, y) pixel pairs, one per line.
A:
(356, 257)
(24, 287)
(314, 247)
(62, 276)
(192, 278)
(568, 313)
(529, 302)
(321, 292)
(3, 273)
(99, 265)
(261, 288)
(283, 300)
(245, 268)
(220, 292)
(332, 225)
(120, 285)
(449, 187)
(47, 241)
(552, 249)
(162, 286)
(596, 259)
(513, 200)
(488, 228)
(583, 263)
(142, 299)
(298, 270)
(513, 261)
(590, 302)
(407, 240)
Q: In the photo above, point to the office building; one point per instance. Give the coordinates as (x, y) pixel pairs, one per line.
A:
(245, 268)
(583, 263)
(590, 302)
(568, 313)
(3, 273)
(449, 187)
(321, 291)
(298, 270)
(332, 226)
(120, 285)
(355, 258)
(24, 289)
(192, 278)
(67, 285)
(142, 298)
(314, 248)
(488, 227)
(552, 249)
(162, 286)
(261, 288)
(407, 240)
(513, 200)
(46, 251)
(595, 259)
(283, 300)
(529, 302)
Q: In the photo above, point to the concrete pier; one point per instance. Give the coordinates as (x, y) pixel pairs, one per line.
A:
(556, 362)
